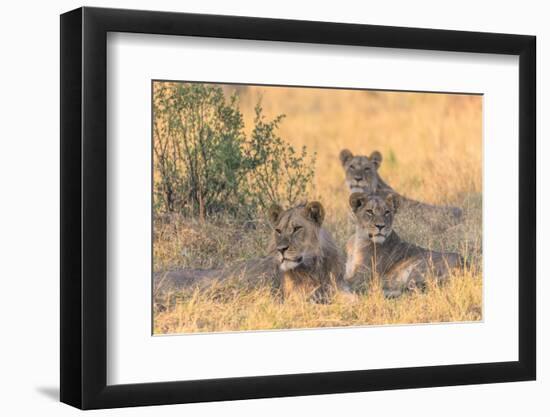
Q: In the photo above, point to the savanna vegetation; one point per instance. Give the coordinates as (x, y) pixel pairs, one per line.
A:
(223, 153)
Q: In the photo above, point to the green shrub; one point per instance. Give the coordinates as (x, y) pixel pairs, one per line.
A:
(204, 163)
(279, 174)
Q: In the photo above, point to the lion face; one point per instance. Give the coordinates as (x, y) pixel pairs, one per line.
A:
(374, 214)
(296, 235)
(361, 171)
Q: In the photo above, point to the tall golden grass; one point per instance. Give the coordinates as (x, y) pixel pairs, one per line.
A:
(432, 148)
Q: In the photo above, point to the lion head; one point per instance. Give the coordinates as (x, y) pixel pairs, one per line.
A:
(361, 171)
(298, 238)
(374, 214)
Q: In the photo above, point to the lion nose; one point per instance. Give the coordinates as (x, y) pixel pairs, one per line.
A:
(282, 249)
(380, 227)
(358, 178)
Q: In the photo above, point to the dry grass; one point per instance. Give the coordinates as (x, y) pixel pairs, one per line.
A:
(207, 311)
(431, 145)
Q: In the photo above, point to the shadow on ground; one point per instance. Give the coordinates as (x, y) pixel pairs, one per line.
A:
(50, 392)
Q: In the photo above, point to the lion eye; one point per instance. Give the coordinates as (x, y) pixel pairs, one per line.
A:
(370, 212)
(367, 168)
(296, 228)
(386, 212)
(352, 167)
(278, 231)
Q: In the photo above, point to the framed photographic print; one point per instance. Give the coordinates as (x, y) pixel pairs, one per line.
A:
(257, 208)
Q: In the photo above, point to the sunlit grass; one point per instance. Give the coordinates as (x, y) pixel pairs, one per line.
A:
(459, 300)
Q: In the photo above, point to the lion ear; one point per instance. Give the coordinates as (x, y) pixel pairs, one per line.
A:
(393, 201)
(345, 156)
(357, 200)
(376, 157)
(315, 212)
(274, 213)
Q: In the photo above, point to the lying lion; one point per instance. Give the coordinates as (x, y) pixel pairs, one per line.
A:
(302, 259)
(376, 247)
(362, 176)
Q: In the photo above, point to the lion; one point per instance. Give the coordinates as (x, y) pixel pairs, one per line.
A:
(362, 176)
(302, 259)
(376, 249)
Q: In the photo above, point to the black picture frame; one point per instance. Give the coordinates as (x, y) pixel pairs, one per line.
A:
(84, 207)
